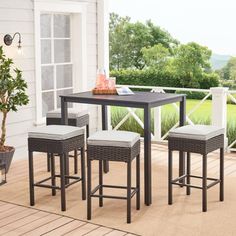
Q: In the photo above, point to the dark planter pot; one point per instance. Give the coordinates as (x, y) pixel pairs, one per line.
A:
(6, 157)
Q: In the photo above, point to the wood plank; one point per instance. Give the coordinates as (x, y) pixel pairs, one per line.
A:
(84, 229)
(49, 226)
(33, 225)
(66, 228)
(14, 217)
(100, 231)
(116, 233)
(12, 211)
(6, 207)
(22, 222)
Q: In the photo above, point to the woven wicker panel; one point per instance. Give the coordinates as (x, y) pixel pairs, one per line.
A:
(83, 120)
(55, 146)
(79, 122)
(109, 153)
(196, 146)
(57, 121)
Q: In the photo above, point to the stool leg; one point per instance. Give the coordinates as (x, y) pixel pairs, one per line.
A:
(182, 167)
(222, 174)
(76, 161)
(188, 189)
(89, 209)
(67, 167)
(48, 162)
(170, 164)
(31, 179)
(129, 192)
(83, 174)
(138, 182)
(62, 174)
(100, 183)
(53, 173)
(204, 183)
(106, 166)
(87, 131)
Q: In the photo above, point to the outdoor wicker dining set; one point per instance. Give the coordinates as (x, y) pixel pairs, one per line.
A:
(65, 133)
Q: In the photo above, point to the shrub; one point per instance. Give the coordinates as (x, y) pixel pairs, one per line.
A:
(151, 77)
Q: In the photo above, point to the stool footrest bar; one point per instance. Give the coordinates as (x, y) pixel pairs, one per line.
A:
(135, 190)
(215, 181)
(40, 183)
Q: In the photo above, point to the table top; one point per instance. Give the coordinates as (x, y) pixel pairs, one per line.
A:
(138, 99)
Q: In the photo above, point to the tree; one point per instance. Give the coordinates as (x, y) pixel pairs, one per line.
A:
(12, 92)
(117, 36)
(127, 40)
(189, 62)
(229, 71)
(156, 57)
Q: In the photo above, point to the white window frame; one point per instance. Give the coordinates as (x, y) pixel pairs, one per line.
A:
(78, 13)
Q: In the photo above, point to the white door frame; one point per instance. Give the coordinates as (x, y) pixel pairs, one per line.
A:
(79, 44)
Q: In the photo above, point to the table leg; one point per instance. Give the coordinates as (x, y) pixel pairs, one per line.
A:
(182, 120)
(105, 127)
(64, 121)
(64, 112)
(147, 157)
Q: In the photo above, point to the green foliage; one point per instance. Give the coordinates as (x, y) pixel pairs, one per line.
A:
(12, 90)
(152, 77)
(229, 71)
(230, 84)
(165, 62)
(127, 40)
(156, 57)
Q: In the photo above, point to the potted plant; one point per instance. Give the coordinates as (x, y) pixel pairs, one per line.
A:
(12, 94)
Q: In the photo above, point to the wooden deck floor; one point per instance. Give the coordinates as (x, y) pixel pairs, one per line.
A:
(17, 220)
(183, 217)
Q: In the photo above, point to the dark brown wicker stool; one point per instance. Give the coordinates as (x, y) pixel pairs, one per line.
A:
(75, 118)
(201, 139)
(119, 146)
(61, 140)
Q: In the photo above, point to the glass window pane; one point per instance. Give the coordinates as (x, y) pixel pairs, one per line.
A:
(47, 102)
(61, 50)
(63, 92)
(45, 25)
(45, 51)
(61, 26)
(64, 76)
(47, 77)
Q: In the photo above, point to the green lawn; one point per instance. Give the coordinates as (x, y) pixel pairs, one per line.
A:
(170, 116)
(203, 111)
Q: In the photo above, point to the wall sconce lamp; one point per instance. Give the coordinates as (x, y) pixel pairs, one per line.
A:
(8, 39)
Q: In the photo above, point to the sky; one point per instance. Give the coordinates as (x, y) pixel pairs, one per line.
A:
(211, 23)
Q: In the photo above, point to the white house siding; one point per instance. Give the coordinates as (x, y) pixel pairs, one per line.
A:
(18, 16)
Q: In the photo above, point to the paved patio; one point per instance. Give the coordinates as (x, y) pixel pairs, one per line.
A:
(183, 217)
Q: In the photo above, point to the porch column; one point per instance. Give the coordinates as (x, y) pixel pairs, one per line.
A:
(219, 108)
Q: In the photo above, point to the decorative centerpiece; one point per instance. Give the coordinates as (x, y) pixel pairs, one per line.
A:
(12, 95)
(104, 85)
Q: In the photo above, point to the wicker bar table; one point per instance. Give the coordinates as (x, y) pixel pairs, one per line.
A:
(144, 100)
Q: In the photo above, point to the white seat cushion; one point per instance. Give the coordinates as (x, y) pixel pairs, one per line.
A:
(114, 138)
(72, 113)
(198, 132)
(56, 132)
